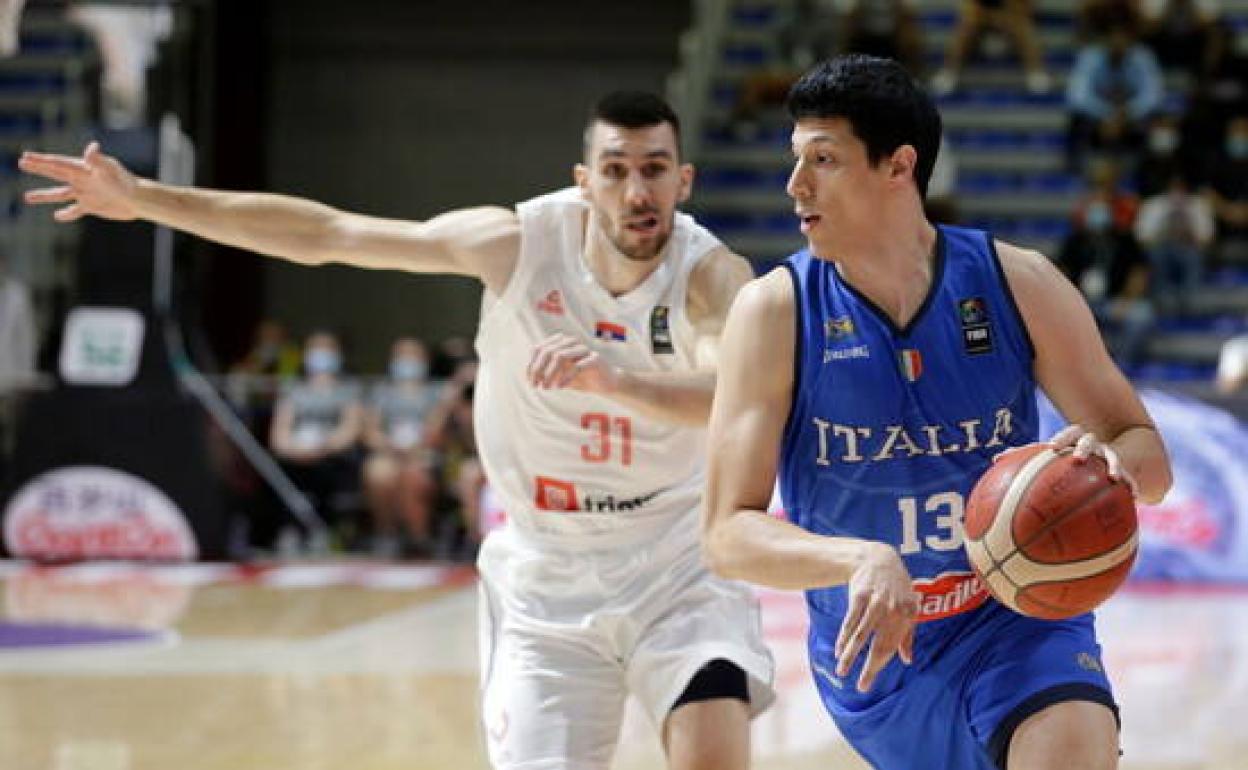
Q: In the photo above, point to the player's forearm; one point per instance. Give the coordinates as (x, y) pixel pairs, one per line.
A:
(750, 545)
(276, 225)
(676, 397)
(1143, 455)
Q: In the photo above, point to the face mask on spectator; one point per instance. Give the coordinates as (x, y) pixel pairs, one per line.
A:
(1237, 146)
(408, 369)
(322, 361)
(1098, 218)
(1163, 141)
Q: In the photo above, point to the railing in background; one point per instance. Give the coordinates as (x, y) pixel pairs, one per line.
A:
(689, 87)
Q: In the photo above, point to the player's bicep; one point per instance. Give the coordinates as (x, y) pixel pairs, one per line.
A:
(481, 242)
(752, 399)
(1072, 365)
(713, 286)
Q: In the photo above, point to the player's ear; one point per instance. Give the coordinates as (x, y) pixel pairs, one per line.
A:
(687, 174)
(580, 175)
(902, 164)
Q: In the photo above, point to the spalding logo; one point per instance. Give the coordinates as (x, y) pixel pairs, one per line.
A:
(83, 512)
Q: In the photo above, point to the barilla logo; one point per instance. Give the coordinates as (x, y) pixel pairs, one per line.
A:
(552, 303)
(605, 330)
(949, 594)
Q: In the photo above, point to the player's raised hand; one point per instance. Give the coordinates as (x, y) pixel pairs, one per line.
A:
(561, 361)
(94, 184)
(882, 608)
(1085, 444)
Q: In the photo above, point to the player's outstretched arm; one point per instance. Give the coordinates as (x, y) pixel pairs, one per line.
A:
(677, 397)
(479, 242)
(740, 540)
(1075, 370)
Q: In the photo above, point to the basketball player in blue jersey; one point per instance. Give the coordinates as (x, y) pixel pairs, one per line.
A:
(877, 375)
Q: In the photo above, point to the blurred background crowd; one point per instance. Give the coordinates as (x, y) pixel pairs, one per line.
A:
(1110, 134)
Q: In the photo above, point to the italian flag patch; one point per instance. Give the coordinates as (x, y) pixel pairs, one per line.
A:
(911, 363)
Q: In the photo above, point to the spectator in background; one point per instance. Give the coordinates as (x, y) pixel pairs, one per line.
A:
(1227, 190)
(1102, 257)
(271, 354)
(885, 28)
(450, 435)
(1095, 18)
(17, 330)
(1164, 155)
(805, 33)
(1221, 92)
(127, 36)
(316, 426)
(1179, 31)
(1012, 17)
(1176, 228)
(1232, 374)
(398, 479)
(10, 23)
(1115, 87)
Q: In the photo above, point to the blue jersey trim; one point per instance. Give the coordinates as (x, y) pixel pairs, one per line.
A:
(938, 275)
(799, 349)
(1009, 293)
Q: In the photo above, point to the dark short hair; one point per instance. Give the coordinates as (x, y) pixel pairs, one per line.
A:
(884, 107)
(631, 109)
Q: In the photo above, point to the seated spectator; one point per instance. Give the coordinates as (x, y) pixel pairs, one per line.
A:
(1227, 191)
(398, 479)
(1012, 17)
(1095, 18)
(1176, 229)
(1179, 31)
(449, 433)
(1115, 87)
(1102, 257)
(1164, 155)
(1220, 93)
(316, 426)
(885, 28)
(805, 34)
(271, 353)
(1232, 374)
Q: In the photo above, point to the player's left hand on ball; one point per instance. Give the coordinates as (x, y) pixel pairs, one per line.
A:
(562, 361)
(1085, 444)
(882, 608)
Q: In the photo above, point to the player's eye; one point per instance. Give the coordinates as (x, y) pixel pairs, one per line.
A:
(614, 171)
(653, 170)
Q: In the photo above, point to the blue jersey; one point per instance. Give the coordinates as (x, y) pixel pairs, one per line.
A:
(891, 427)
(889, 430)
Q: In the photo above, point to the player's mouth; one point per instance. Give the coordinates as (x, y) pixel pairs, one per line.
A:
(647, 225)
(809, 221)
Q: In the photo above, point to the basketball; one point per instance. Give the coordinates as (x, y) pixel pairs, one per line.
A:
(1050, 537)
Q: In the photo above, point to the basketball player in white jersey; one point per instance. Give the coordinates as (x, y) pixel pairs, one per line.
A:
(602, 313)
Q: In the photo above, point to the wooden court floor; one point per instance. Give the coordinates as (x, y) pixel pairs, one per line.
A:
(373, 667)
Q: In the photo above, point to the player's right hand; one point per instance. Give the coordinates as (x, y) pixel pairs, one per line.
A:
(882, 608)
(94, 184)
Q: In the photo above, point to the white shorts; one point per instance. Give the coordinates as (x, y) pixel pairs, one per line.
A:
(566, 637)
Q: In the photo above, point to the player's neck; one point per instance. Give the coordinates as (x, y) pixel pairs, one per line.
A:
(612, 269)
(897, 270)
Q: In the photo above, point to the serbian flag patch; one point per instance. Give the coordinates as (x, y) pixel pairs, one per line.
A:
(605, 330)
(911, 363)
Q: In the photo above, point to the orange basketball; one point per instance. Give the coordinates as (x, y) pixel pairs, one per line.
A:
(1049, 536)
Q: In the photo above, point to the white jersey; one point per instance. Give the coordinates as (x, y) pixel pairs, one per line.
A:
(574, 468)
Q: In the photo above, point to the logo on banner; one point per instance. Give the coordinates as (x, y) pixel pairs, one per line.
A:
(555, 495)
(976, 331)
(83, 512)
(612, 332)
(102, 346)
(661, 329)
